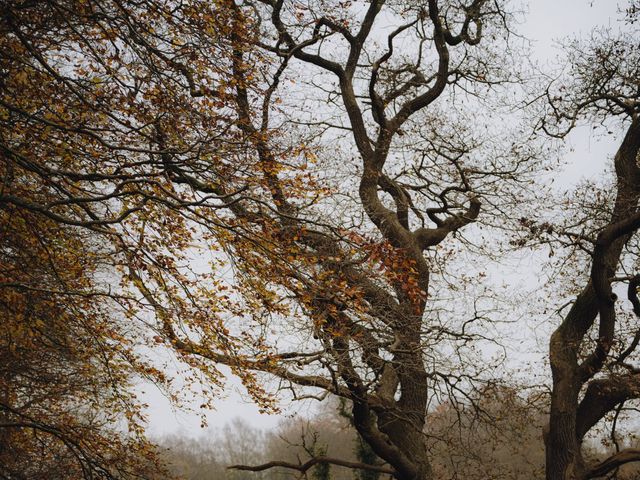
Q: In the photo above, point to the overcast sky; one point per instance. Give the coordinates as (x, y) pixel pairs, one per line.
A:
(547, 22)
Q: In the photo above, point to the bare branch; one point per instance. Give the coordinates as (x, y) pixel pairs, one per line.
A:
(304, 467)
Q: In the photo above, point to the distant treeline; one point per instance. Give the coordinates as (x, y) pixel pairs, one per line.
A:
(499, 438)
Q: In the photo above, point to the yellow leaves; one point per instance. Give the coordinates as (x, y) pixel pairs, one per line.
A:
(88, 130)
(21, 77)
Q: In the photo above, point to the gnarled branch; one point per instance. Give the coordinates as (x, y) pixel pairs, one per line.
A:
(304, 467)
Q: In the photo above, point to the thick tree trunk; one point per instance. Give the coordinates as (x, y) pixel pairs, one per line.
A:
(412, 443)
(395, 439)
(563, 455)
(405, 429)
(571, 416)
(396, 431)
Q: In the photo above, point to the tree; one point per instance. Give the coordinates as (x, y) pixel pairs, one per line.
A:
(341, 259)
(173, 134)
(364, 452)
(500, 439)
(84, 88)
(593, 351)
(65, 364)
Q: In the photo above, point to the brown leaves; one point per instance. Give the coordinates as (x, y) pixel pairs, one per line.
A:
(64, 373)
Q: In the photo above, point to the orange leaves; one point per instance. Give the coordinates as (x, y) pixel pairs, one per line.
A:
(123, 162)
(395, 266)
(62, 356)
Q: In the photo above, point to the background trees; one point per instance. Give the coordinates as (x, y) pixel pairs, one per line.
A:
(500, 438)
(503, 442)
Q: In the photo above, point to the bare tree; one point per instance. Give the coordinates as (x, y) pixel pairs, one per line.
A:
(593, 351)
(342, 260)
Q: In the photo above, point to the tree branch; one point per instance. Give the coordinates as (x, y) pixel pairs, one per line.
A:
(613, 462)
(304, 467)
(428, 237)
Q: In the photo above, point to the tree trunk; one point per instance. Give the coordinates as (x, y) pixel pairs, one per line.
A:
(570, 416)
(412, 443)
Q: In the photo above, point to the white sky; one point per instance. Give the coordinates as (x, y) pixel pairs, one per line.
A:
(547, 22)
